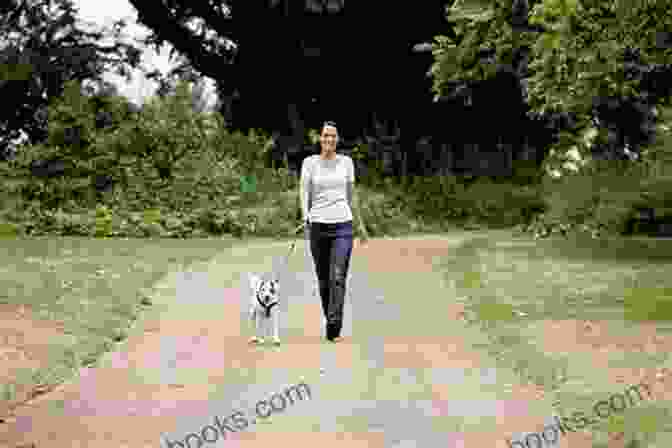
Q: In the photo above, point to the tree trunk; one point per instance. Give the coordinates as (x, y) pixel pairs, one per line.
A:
(225, 106)
(446, 160)
(296, 125)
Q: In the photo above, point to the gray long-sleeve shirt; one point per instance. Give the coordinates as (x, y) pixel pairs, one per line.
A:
(326, 189)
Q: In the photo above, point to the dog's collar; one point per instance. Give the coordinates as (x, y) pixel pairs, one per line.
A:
(266, 306)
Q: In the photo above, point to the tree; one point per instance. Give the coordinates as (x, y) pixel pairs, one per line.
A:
(296, 63)
(41, 48)
(183, 72)
(582, 53)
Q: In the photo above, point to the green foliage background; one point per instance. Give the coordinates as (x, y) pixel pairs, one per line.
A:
(177, 169)
(578, 57)
(199, 193)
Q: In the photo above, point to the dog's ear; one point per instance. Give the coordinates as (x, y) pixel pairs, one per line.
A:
(254, 281)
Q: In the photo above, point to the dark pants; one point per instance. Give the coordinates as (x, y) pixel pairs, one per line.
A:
(331, 247)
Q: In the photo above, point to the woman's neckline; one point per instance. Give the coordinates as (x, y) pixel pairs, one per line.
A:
(322, 158)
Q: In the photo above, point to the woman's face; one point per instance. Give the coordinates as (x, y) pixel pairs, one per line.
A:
(328, 139)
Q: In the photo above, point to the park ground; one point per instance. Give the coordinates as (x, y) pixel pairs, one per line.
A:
(461, 339)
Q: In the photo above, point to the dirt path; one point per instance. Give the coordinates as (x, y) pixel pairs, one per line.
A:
(407, 374)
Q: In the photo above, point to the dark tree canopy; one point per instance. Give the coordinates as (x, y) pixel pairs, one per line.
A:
(296, 63)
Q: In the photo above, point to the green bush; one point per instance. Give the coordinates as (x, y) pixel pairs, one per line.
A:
(73, 224)
(448, 198)
(103, 221)
(216, 222)
(152, 230)
(603, 197)
(198, 191)
(177, 175)
(9, 230)
(176, 227)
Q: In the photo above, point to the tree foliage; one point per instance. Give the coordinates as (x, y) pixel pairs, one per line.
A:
(41, 48)
(583, 58)
(603, 68)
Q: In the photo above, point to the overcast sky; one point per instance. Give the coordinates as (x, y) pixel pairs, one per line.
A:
(106, 12)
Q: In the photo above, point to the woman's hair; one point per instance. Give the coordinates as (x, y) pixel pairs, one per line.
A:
(330, 124)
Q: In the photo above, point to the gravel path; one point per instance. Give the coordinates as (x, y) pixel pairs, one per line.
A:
(406, 375)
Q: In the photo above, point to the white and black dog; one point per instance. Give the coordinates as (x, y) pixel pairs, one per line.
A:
(264, 303)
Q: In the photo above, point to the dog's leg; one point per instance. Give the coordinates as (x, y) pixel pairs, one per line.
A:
(254, 323)
(259, 319)
(253, 327)
(254, 318)
(276, 326)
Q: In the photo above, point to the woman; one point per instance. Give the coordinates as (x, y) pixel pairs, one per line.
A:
(327, 190)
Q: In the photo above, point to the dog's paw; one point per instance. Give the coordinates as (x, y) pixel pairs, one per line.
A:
(256, 340)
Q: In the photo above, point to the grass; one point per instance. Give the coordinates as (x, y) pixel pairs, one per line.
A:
(512, 284)
(94, 287)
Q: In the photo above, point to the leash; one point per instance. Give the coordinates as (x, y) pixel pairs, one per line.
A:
(267, 307)
(291, 248)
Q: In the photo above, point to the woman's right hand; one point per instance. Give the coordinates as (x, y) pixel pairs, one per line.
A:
(361, 242)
